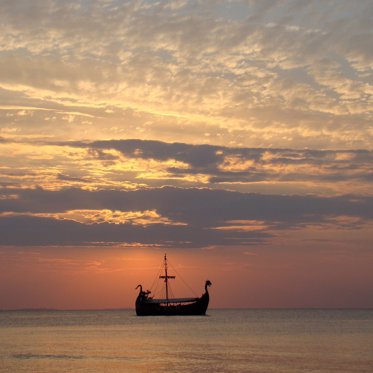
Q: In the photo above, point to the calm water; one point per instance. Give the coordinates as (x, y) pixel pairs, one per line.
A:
(225, 341)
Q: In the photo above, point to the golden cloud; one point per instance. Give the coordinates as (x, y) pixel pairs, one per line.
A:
(89, 217)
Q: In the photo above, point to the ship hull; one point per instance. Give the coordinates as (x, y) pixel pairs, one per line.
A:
(198, 307)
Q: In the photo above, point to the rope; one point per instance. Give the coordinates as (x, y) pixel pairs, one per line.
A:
(171, 293)
(182, 279)
(156, 282)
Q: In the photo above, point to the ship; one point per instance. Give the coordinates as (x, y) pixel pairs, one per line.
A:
(146, 305)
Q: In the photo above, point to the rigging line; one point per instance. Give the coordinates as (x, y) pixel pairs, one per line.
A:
(182, 279)
(171, 292)
(157, 277)
(155, 291)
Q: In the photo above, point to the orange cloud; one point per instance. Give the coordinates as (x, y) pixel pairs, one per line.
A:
(89, 217)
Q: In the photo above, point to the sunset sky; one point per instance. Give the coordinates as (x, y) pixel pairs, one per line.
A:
(234, 135)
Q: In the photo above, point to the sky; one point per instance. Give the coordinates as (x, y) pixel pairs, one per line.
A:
(235, 136)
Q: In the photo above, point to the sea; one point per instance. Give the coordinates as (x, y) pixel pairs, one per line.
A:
(225, 340)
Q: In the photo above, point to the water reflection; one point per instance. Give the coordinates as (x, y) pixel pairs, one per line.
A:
(226, 341)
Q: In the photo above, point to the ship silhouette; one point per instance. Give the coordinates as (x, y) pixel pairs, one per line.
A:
(146, 305)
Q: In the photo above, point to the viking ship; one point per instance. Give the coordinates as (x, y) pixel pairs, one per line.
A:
(146, 305)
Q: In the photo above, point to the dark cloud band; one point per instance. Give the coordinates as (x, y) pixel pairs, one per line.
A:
(207, 216)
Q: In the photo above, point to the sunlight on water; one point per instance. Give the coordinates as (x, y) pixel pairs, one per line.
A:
(259, 341)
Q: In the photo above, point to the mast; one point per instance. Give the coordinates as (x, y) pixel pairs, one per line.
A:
(166, 276)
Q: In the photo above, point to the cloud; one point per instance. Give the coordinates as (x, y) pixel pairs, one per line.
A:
(91, 216)
(203, 217)
(50, 232)
(131, 164)
(224, 164)
(286, 74)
